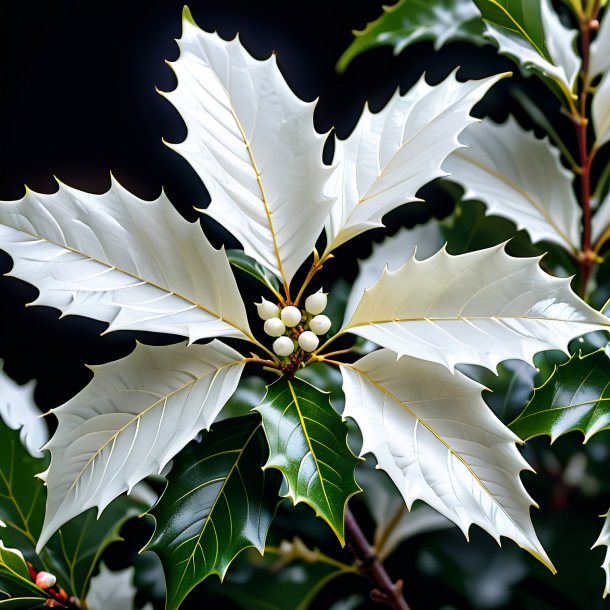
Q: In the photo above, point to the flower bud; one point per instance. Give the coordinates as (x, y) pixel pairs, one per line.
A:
(274, 327)
(291, 316)
(315, 303)
(267, 310)
(320, 325)
(308, 341)
(44, 580)
(283, 346)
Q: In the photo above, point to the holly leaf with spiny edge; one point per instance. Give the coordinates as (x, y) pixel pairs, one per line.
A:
(308, 444)
(410, 21)
(575, 397)
(218, 502)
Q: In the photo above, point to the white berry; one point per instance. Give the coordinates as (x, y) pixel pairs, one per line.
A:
(267, 310)
(283, 346)
(291, 316)
(308, 341)
(320, 324)
(316, 303)
(274, 327)
(45, 580)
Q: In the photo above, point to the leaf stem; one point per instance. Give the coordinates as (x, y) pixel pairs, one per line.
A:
(385, 592)
(317, 264)
(587, 257)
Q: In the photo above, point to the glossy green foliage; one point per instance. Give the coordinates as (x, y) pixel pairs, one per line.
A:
(22, 494)
(410, 21)
(218, 501)
(521, 18)
(73, 553)
(575, 397)
(15, 577)
(246, 263)
(307, 440)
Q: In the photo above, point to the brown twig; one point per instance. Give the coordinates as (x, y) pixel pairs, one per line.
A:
(385, 591)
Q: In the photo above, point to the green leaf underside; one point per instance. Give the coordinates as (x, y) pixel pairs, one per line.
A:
(308, 444)
(575, 397)
(218, 502)
(79, 544)
(14, 574)
(409, 21)
(517, 17)
(22, 496)
(72, 553)
(246, 263)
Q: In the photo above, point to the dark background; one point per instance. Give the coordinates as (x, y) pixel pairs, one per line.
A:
(78, 100)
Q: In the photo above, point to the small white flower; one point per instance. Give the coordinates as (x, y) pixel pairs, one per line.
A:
(45, 580)
(308, 341)
(291, 316)
(274, 327)
(267, 310)
(316, 303)
(320, 325)
(283, 346)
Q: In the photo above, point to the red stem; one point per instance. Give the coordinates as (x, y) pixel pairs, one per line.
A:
(587, 256)
(385, 592)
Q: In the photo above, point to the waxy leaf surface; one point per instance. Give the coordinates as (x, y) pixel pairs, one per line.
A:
(604, 540)
(476, 308)
(409, 21)
(532, 35)
(600, 110)
(433, 434)
(19, 412)
(520, 178)
(394, 252)
(218, 502)
(252, 142)
(599, 62)
(307, 443)
(131, 419)
(575, 397)
(135, 264)
(392, 153)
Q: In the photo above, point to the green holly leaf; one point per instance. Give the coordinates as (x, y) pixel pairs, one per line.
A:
(308, 444)
(575, 397)
(246, 263)
(78, 546)
(14, 574)
(22, 495)
(71, 554)
(218, 502)
(531, 33)
(410, 21)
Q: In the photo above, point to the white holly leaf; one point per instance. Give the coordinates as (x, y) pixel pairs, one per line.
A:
(600, 110)
(112, 590)
(433, 434)
(393, 251)
(517, 36)
(599, 55)
(252, 142)
(19, 412)
(394, 523)
(604, 540)
(132, 418)
(392, 153)
(601, 219)
(519, 177)
(476, 308)
(113, 257)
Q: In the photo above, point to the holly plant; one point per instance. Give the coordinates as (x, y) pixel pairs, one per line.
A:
(413, 319)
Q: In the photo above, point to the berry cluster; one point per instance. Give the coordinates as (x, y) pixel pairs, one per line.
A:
(293, 326)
